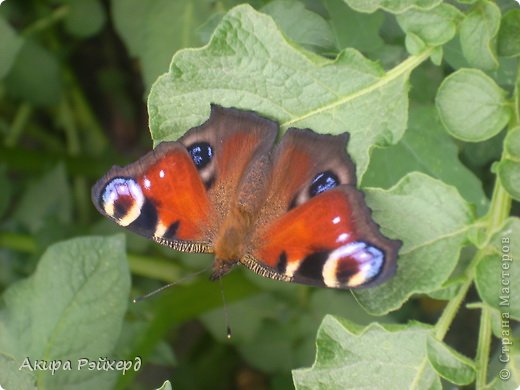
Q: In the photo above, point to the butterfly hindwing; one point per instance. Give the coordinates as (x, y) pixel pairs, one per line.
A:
(330, 240)
(315, 227)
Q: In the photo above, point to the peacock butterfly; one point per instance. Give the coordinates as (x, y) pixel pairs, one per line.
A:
(288, 212)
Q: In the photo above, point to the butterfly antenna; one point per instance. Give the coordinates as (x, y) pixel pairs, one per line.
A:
(166, 286)
(226, 313)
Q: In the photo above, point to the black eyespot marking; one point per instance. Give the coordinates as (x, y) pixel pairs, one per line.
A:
(323, 181)
(312, 266)
(281, 266)
(147, 219)
(172, 230)
(121, 207)
(201, 154)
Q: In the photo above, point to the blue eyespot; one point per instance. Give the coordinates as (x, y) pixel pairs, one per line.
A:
(323, 181)
(201, 154)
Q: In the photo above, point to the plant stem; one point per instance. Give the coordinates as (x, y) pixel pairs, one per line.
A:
(499, 211)
(450, 311)
(44, 23)
(17, 242)
(96, 140)
(73, 147)
(19, 123)
(483, 348)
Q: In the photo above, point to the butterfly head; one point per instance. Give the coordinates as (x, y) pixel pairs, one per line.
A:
(222, 267)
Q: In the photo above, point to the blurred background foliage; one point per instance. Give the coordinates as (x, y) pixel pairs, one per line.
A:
(74, 78)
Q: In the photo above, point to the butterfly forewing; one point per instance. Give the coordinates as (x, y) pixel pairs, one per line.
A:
(161, 196)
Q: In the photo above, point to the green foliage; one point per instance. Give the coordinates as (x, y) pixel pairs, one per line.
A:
(277, 80)
(472, 106)
(478, 31)
(430, 93)
(349, 356)
(57, 321)
(509, 34)
(430, 253)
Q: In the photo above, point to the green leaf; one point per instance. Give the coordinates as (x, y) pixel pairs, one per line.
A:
(164, 27)
(478, 31)
(85, 18)
(433, 220)
(437, 55)
(415, 153)
(512, 143)
(450, 364)
(42, 87)
(508, 377)
(508, 168)
(12, 378)
(130, 28)
(392, 6)
(509, 174)
(498, 273)
(471, 106)
(305, 27)
(48, 198)
(509, 34)
(71, 308)
(346, 25)
(414, 44)
(11, 45)
(248, 64)
(376, 357)
(448, 290)
(434, 26)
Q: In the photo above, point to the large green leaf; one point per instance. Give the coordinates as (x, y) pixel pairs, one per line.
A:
(249, 64)
(433, 220)
(415, 153)
(71, 308)
(378, 357)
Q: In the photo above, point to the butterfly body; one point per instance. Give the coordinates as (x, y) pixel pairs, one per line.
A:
(289, 211)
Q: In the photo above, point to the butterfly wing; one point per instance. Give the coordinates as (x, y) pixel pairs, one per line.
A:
(179, 193)
(316, 228)
(161, 196)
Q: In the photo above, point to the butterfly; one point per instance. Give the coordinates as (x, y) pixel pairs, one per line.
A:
(289, 211)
